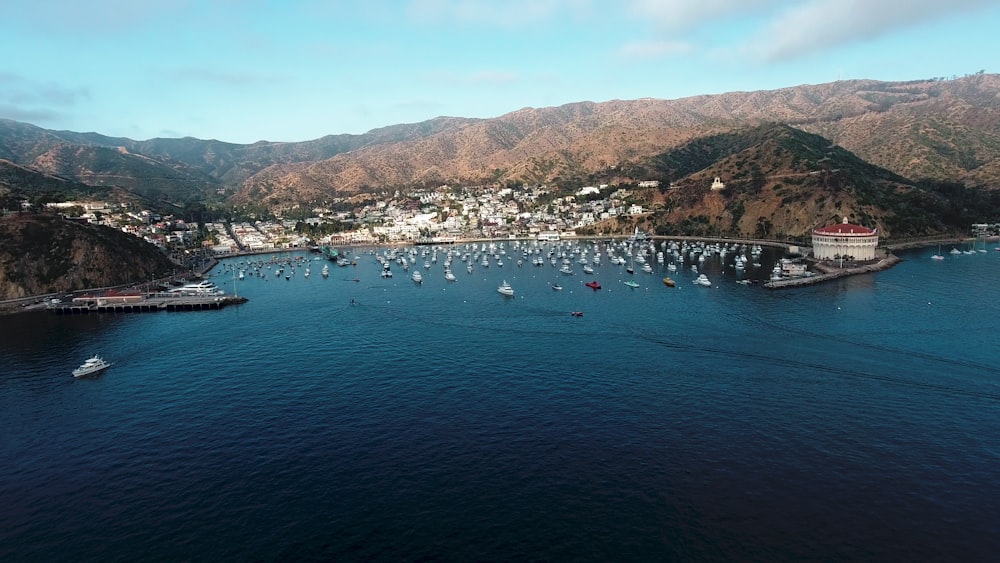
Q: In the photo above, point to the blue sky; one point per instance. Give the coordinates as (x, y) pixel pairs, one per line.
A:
(249, 70)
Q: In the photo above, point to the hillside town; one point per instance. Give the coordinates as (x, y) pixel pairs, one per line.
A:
(441, 215)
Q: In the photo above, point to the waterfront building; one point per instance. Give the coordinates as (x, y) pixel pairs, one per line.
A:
(844, 239)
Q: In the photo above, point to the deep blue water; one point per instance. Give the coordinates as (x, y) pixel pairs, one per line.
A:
(858, 419)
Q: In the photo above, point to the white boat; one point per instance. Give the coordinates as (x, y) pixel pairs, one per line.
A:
(325, 272)
(92, 366)
(417, 276)
(938, 256)
(203, 287)
(702, 280)
(505, 289)
(449, 276)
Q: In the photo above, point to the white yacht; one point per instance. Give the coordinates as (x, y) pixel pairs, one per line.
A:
(203, 287)
(703, 280)
(417, 276)
(93, 365)
(505, 289)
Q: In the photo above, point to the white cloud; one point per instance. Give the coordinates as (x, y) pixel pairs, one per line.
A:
(494, 77)
(653, 49)
(823, 24)
(477, 78)
(679, 15)
(502, 13)
(19, 90)
(209, 75)
(93, 17)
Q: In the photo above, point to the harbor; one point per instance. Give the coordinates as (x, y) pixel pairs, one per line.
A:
(325, 396)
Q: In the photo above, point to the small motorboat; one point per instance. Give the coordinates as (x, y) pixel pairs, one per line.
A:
(593, 285)
(557, 287)
(632, 284)
(668, 282)
(577, 313)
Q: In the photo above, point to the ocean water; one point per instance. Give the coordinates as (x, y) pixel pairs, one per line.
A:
(362, 418)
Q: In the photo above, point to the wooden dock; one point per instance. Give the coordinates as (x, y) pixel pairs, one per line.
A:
(147, 304)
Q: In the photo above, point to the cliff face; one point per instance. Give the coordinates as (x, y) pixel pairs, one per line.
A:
(41, 253)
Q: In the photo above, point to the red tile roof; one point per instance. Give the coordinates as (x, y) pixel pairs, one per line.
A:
(844, 229)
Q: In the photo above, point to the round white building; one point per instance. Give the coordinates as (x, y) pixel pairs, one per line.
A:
(844, 239)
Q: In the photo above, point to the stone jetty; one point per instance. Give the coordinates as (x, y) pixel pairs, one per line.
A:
(828, 271)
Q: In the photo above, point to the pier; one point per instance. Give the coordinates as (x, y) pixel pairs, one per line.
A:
(145, 304)
(829, 272)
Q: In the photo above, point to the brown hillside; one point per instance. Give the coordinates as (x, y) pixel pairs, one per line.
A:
(944, 130)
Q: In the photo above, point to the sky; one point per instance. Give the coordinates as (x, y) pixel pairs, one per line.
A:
(243, 71)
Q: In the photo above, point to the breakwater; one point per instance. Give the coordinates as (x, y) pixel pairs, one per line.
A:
(829, 272)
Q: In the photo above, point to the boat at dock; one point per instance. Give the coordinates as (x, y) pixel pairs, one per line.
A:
(93, 366)
(203, 287)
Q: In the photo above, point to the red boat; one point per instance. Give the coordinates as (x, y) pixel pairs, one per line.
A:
(593, 285)
(577, 313)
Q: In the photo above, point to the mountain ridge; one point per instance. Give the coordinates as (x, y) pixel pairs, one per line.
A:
(923, 130)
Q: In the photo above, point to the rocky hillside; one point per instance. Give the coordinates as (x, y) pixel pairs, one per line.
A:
(43, 253)
(781, 182)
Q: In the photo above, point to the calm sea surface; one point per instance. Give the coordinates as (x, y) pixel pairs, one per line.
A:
(858, 419)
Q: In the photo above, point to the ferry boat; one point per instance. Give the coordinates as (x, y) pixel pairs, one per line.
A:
(92, 366)
(201, 288)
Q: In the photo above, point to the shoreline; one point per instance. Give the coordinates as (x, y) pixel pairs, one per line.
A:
(31, 303)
